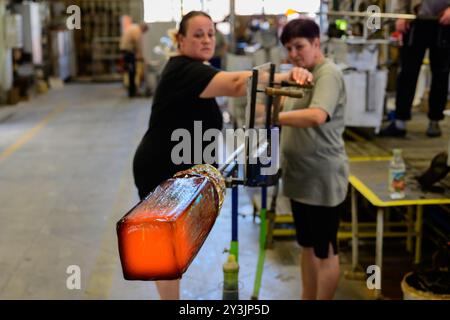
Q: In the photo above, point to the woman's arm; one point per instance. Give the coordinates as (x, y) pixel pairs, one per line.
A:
(230, 84)
(304, 118)
(445, 17)
(234, 84)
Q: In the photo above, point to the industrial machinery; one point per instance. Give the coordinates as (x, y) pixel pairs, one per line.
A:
(260, 167)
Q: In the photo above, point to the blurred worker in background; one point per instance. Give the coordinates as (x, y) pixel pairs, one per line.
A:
(314, 161)
(418, 36)
(131, 48)
(220, 51)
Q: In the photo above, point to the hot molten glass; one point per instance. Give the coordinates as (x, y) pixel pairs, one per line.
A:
(161, 235)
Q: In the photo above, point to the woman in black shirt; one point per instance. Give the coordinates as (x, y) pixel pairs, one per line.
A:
(185, 94)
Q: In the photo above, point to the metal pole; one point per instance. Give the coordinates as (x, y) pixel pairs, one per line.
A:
(409, 228)
(232, 20)
(355, 243)
(418, 229)
(234, 247)
(368, 15)
(379, 247)
(321, 16)
(232, 157)
(262, 244)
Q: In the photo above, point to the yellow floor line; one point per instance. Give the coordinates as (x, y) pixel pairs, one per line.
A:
(354, 136)
(101, 278)
(27, 136)
(100, 281)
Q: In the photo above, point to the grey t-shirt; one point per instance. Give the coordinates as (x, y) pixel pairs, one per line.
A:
(314, 162)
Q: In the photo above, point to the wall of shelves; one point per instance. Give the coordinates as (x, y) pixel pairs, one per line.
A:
(97, 42)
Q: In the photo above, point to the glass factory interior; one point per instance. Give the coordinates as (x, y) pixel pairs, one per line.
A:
(358, 126)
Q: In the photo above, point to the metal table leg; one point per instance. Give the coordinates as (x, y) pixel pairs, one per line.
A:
(418, 229)
(355, 249)
(355, 273)
(379, 247)
(409, 228)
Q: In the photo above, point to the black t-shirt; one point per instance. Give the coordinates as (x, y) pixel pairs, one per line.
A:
(176, 105)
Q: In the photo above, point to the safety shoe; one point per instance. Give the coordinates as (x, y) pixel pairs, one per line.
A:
(437, 170)
(433, 129)
(392, 131)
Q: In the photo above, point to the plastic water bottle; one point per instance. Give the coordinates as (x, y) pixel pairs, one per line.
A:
(231, 279)
(397, 172)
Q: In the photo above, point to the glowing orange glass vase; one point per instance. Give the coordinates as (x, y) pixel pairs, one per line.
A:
(161, 235)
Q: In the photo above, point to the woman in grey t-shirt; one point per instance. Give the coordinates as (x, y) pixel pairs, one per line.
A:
(315, 166)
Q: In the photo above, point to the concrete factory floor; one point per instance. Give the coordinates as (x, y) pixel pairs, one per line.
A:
(66, 179)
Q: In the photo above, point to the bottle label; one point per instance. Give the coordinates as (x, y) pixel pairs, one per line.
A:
(397, 180)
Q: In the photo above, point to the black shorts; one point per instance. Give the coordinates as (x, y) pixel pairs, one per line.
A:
(317, 226)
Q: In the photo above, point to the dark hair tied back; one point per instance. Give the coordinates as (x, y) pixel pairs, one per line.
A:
(182, 29)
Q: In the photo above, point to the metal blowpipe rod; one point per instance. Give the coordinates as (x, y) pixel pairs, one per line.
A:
(371, 14)
(287, 92)
(231, 158)
(285, 83)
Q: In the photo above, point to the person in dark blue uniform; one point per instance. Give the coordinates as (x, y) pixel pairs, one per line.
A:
(418, 36)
